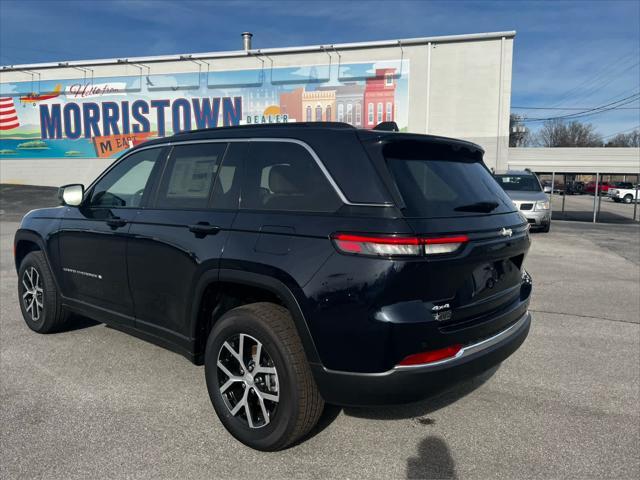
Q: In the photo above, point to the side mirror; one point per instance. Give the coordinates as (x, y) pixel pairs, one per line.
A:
(547, 189)
(71, 195)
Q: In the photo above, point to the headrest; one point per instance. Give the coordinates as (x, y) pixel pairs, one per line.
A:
(285, 179)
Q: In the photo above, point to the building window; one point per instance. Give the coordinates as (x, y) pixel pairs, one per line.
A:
(308, 113)
(350, 113)
(358, 114)
(318, 113)
(341, 112)
(388, 79)
(327, 115)
(379, 116)
(370, 113)
(389, 116)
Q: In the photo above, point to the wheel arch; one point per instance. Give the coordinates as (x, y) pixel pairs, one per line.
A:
(271, 287)
(25, 242)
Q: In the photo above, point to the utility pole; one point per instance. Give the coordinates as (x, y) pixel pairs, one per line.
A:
(517, 131)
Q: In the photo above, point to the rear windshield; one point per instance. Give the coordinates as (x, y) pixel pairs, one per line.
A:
(519, 183)
(445, 187)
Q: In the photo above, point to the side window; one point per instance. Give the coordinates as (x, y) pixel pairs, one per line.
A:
(188, 178)
(226, 190)
(284, 176)
(127, 183)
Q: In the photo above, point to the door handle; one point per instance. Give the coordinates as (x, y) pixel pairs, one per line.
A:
(116, 222)
(203, 229)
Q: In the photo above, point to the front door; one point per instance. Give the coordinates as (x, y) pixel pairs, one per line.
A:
(180, 236)
(93, 237)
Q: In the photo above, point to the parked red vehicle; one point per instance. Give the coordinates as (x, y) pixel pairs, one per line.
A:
(603, 188)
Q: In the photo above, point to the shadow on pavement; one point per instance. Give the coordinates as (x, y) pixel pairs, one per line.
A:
(587, 216)
(433, 460)
(419, 411)
(78, 322)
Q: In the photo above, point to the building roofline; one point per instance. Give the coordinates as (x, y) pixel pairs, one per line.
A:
(266, 51)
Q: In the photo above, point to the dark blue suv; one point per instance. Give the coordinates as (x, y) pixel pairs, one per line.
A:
(301, 264)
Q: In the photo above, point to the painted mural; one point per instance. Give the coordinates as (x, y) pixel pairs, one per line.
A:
(103, 116)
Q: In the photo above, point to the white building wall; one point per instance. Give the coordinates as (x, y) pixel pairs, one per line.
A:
(470, 92)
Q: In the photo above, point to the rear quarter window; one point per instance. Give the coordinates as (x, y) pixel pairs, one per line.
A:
(284, 176)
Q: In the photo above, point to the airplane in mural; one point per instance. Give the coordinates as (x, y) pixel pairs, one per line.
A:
(37, 97)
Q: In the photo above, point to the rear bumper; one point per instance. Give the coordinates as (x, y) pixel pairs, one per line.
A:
(412, 383)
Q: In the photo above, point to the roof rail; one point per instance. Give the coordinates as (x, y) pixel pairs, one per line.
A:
(272, 125)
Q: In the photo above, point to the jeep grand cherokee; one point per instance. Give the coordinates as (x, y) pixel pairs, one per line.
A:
(300, 263)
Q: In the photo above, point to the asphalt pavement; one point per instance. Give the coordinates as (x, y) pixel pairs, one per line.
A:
(96, 403)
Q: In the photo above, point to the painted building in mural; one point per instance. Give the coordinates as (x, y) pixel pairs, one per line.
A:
(73, 118)
(319, 105)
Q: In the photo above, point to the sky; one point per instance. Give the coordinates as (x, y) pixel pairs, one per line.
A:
(567, 54)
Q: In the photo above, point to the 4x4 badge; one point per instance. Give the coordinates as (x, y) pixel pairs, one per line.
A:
(506, 232)
(441, 312)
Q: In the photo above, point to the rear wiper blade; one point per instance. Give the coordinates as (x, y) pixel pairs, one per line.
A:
(483, 207)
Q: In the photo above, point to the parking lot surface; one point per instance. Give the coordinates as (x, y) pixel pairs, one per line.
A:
(97, 403)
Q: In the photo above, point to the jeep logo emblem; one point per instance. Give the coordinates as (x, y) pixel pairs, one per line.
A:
(506, 232)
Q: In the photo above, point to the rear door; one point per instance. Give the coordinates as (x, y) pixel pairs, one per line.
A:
(286, 214)
(181, 234)
(445, 191)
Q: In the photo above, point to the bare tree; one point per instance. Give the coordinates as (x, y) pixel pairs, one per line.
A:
(519, 135)
(557, 133)
(631, 139)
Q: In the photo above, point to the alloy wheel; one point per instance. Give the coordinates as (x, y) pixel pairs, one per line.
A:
(33, 296)
(248, 380)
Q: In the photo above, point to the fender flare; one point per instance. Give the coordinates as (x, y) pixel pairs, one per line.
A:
(265, 282)
(23, 234)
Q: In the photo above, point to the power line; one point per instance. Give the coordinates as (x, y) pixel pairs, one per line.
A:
(588, 93)
(606, 72)
(585, 113)
(567, 108)
(622, 131)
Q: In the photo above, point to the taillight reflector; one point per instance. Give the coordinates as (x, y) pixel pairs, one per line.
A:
(431, 356)
(396, 246)
(436, 246)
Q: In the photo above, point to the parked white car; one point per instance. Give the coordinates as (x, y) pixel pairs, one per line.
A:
(625, 195)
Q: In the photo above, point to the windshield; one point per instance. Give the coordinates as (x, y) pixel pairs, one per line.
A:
(519, 183)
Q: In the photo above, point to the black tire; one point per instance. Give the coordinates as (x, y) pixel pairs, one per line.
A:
(628, 198)
(46, 315)
(299, 405)
(546, 228)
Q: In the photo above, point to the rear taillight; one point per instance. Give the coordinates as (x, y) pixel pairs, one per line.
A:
(389, 246)
(431, 356)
